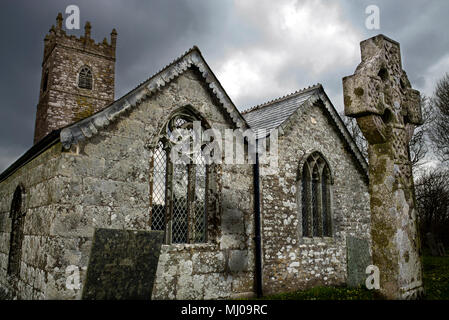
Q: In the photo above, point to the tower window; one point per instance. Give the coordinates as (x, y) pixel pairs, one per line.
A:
(85, 78)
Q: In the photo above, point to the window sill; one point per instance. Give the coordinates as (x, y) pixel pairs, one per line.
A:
(316, 240)
(187, 246)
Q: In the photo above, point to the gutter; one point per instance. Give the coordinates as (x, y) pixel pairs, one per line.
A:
(257, 236)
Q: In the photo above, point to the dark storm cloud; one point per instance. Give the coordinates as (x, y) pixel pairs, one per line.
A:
(420, 27)
(153, 33)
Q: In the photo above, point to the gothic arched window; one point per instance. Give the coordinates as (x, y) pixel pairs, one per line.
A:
(305, 200)
(17, 216)
(316, 197)
(179, 188)
(85, 78)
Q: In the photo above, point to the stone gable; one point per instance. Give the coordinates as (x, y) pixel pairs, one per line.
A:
(291, 261)
(104, 183)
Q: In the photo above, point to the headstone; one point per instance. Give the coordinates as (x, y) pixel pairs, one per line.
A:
(387, 109)
(441, 250)
(122, 264)
(358, 258)
(432, 244)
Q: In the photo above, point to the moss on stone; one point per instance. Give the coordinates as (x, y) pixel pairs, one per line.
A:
(359, 91)
(347, 101)
(376, 201)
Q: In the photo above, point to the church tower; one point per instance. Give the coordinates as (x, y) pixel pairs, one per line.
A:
(77, 78)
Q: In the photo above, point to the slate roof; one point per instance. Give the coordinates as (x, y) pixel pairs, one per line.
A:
(272, 114)
(275, 114)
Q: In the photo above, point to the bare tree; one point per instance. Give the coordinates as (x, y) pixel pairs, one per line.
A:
(418, 145)
(356, 133)
(439, 131)
(432, 197)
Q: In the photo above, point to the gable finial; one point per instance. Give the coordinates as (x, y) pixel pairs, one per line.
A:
(87, 29)
(113, 38)
(59, 20)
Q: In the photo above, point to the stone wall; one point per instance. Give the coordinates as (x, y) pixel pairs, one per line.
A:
(104, 182)
(291, 262)
(41, 252)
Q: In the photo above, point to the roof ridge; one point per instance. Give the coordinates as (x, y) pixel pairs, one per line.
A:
(89, 126)
(187, 52)
(289, 95)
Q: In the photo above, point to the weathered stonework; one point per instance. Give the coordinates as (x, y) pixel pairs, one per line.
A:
(61, 101)
(387, 110)
(291, 261)
(97, 173)
(104, 183)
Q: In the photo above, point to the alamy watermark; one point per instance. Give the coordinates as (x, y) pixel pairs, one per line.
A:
(73, 19)
(212, 146)
(373, 279)
(372, 22)
(72, 282)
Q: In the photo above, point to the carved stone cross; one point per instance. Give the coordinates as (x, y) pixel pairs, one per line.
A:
(387, 110)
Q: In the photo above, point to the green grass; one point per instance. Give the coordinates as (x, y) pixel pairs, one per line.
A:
(436, 285)
(326, 293)
(436, 277)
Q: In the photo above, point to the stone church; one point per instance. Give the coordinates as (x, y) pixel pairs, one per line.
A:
(230, 230)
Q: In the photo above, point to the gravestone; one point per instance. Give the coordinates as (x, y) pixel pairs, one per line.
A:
(432, 244)
(441, 250)
(436, 247)
(122, 264)
(387, 109)
(358, 258)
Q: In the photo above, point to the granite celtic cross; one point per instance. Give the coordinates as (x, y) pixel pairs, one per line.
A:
(387, 109)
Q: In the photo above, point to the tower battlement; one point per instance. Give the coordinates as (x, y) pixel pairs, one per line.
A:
(58, 36)
(78, 77)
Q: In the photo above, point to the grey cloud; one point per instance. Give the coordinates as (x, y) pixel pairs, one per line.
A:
(153, 33)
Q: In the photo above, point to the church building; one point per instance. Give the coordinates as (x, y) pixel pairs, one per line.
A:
(230, 230)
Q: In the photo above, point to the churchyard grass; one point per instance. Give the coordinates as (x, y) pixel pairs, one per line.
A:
(436, 285)
(436, 277)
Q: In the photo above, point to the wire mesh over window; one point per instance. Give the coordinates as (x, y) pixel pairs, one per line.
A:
(179, 193)
(85, 78)
(199, 204)
(316, 197)
(158, 192)
(180, 204)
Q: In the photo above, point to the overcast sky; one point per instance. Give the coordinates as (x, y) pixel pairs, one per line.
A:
(258, 49)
